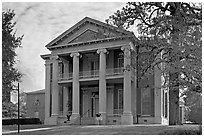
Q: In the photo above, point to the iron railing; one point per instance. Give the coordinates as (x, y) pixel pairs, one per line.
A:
(91, 74)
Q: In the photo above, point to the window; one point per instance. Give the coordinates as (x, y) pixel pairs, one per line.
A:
(121, 60)
(51, 71)
(120, 98)
(118, 102)
(61, 67)
(165, 105)
(61, 98)
(146, 101)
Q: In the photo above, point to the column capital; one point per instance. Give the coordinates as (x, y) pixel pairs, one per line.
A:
(75, 54)
(54, 57)
(101, 50)
(126, 47)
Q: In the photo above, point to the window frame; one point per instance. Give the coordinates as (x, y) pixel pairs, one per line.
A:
(143, 89)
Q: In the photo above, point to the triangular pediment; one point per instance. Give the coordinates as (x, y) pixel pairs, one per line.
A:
(88, 30)
(88, 35)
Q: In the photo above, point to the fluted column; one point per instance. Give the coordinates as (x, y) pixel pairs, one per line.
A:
(127, 117)
(75, 86)
(102, 84)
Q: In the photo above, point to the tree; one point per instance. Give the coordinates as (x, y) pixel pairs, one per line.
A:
(9, 43)
(193, 103)
(172, 32)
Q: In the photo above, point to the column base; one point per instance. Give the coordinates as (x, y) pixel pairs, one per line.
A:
(51, 120)
(127, 119)
(75, 119)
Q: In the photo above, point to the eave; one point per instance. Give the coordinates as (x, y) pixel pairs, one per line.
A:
(89, 42)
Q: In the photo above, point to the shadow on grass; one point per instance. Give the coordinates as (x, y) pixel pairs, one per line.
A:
(183, 132)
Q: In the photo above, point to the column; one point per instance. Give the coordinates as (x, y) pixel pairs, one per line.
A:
(75, 86)
(127, 117)
(102, 84)
(55, 87)
(47, 92)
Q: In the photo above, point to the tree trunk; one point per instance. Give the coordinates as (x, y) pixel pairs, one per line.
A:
(174, 117)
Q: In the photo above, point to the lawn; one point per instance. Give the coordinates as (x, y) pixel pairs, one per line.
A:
(109, 130)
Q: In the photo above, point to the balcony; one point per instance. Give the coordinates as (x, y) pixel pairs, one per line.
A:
(91, 74)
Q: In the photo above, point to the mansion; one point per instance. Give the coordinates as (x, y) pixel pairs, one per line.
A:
(89, 72)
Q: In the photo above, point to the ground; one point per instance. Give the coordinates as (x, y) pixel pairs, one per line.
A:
(100, 130)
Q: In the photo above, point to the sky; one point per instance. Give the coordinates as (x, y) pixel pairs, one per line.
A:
(40, 23)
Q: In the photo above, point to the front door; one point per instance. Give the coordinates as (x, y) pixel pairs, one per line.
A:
(95, 104)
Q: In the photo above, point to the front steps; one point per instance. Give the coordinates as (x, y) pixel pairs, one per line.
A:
(88, 121)
(62, 120)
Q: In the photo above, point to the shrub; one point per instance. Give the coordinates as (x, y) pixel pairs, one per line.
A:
(23, 121)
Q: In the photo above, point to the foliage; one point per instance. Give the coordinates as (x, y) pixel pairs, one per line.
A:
(169, 37)
(23, 121)
(170, 34)
(9, 43)
(193, 107)
(11, 110)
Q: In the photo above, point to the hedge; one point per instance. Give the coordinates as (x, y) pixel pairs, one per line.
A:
(23, 121)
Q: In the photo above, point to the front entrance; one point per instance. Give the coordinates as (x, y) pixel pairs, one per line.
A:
(95, 103)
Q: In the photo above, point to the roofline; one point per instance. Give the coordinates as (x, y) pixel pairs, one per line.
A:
(45, 56)
(89, 42)
(83, 21)
(42, 91)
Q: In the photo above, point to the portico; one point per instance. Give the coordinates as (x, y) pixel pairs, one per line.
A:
(88, 73)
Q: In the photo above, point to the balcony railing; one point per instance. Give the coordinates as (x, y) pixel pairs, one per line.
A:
(65, 76)
(91, 74)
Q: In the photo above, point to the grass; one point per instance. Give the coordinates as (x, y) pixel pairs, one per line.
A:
(113, 130)
(193, 131)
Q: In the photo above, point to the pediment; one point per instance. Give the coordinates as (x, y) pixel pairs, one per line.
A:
(87, 30)
(88, 35)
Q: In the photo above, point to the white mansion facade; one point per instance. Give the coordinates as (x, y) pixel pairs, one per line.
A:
(89, 72)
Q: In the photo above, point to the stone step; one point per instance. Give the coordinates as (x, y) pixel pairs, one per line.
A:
(63, 121)
(88, 121)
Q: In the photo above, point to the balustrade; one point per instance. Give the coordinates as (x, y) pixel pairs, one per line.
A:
(91, 74)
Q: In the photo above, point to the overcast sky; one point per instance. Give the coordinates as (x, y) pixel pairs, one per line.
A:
(42, 22)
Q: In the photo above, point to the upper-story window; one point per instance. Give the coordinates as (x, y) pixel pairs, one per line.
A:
(120, 60)
(51, 71)
(61, 68)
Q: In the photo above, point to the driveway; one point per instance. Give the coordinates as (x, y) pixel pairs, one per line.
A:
(104, 130)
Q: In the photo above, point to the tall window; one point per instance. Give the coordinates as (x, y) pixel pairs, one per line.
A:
(164, 103)
(118, 101)
(146, 101)
(61, 99)
(120, 60)
(120, 98)
(61, 68)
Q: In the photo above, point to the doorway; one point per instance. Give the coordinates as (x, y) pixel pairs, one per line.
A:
(95, 104)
